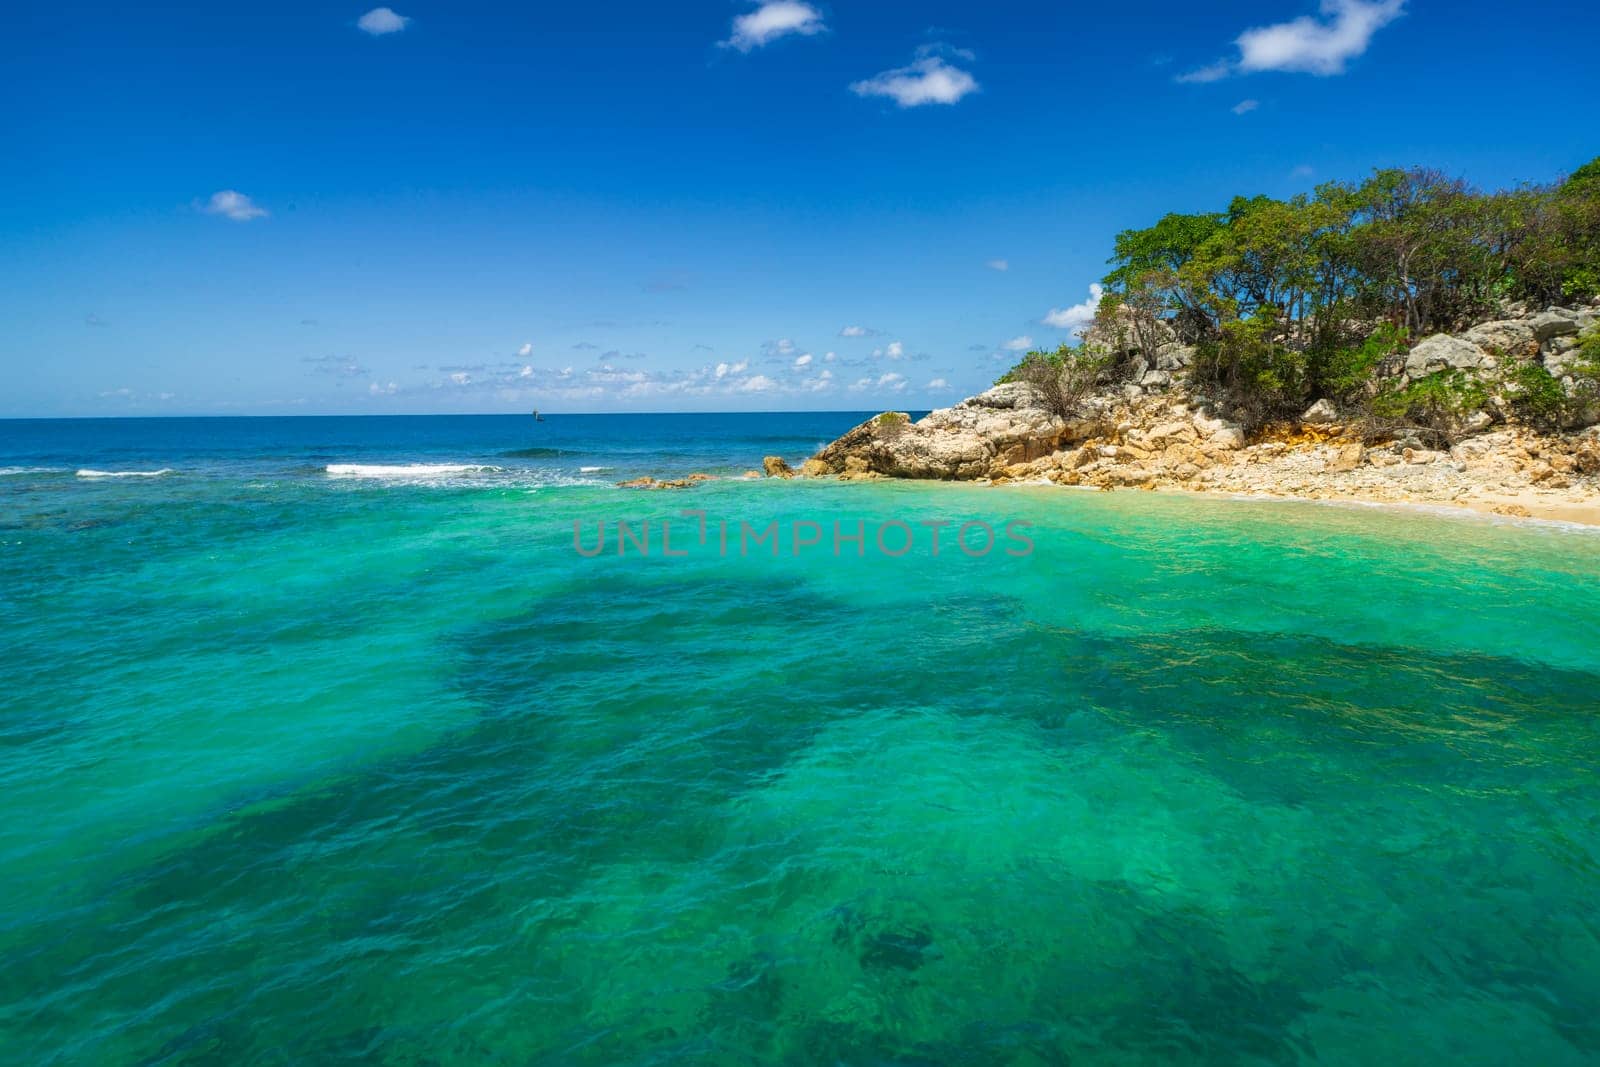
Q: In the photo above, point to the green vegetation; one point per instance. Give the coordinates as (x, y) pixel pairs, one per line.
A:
(1288, 301)
(1437, 407)
(1064, 377)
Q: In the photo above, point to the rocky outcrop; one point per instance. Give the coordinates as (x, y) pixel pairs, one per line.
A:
(1151, 432)
(776, 467)
(1008, 424)
(1444, 352)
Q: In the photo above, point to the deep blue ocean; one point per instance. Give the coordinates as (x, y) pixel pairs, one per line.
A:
(321, 741)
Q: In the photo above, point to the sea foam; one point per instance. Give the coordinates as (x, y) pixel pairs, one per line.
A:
(407, 470)
(125, 474)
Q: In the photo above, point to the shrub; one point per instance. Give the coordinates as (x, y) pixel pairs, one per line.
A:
(1343, 373)
(1064, 378)
(1537, 397)
(1251, 376)
(1436, 407)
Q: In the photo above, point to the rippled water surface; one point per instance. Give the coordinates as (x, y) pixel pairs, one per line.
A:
(372, 766)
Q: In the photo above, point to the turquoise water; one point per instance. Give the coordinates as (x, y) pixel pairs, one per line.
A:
(303, 768)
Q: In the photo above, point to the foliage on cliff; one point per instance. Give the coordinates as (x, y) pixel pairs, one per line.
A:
(1288, 301)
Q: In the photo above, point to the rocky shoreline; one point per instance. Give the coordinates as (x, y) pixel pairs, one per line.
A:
(1155, 434)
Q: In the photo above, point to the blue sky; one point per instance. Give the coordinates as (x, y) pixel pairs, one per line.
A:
(464, 206)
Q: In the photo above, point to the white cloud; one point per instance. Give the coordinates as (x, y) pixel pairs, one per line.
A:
(772, 20)
(526, 350)
(856, 331)
(1215, 72)
(928, 80)
(1318, 47)
(234, 205)
(1000, 265)
(892, 381)
(938, 383)
(383, 390)
(1018, 344)
(802, 361)
(1077, 317)
(896, 350)
(381, 20)
(830, 357)
(758, 383)
(1244, 107)
(461, 378)
(526, 372)
(1307, 45)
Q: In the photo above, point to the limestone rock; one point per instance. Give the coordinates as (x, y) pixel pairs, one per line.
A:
(1006, 426)
(1556, 322)
(1348, 459)
(814, 468)
(1442, 352)
(1322, 413)
(1510, 337)
(776, 467)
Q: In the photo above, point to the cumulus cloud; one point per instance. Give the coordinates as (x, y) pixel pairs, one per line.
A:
(526, 350)
(1321, 45)
(234, 205)
(381, 20)
(1018, 344)
(1077, 317)
(938, 383)
(1318, 47)
(1244, 107)
(1000, 265)
(930, 79)
(772, 20)
(830, 357)
(858, 331)
(895, 350)
(802, 361)
(757, 383)
(384, 389)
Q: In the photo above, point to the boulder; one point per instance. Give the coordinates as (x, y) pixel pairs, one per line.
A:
(1006, 426)
(1174, 357)
(813, 468)
(1560, 353)
(1229, 439)
(1347, 458)
(1510, 337)
(776, 467)
(1156, 379)
(1443, 352)
(1322, 413)
(1555, 322)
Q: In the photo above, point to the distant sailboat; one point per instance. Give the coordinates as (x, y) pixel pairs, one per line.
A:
(536, 416)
